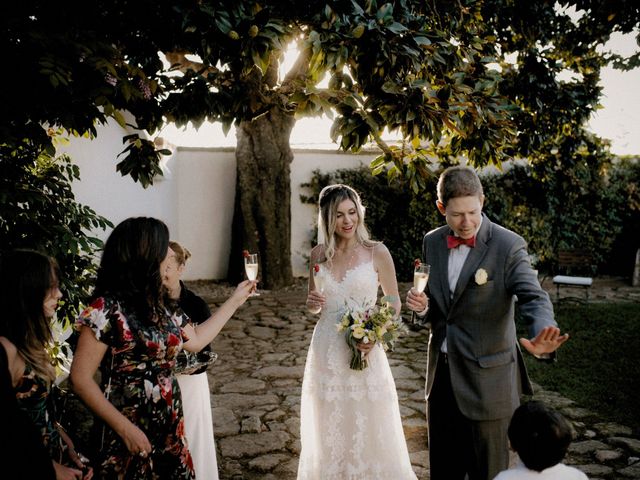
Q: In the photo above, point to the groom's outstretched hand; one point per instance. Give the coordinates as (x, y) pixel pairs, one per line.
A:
(547, 341)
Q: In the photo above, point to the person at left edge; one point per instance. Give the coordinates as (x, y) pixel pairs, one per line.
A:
(29, 296)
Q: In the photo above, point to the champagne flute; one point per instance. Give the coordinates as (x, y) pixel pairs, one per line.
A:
(421, 276)
(251, 268)
(420, 279)
(318, 278)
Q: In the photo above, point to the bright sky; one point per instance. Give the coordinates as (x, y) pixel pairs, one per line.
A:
(618, 120)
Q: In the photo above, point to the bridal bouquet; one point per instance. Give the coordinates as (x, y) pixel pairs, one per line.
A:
(372, 324)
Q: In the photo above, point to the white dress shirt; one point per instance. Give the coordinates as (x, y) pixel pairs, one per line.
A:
(457, 257)
(559, 471)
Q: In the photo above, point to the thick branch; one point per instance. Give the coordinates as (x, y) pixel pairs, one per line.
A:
(298, 71)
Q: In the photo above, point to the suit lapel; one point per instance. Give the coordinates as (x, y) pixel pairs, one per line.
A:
(440, 271)
(475, 257)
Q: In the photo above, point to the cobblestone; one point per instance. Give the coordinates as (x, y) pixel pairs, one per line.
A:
(256, 382)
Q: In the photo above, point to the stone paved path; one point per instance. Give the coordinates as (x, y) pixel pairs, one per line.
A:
(256, 382)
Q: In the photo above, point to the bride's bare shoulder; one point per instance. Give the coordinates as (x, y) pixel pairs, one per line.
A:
(378, 248)
(318, 254)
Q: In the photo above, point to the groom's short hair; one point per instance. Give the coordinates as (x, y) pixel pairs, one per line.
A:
(539, 435)
(458, 181)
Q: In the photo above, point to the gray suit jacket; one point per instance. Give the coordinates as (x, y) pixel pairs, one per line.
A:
(486, 364)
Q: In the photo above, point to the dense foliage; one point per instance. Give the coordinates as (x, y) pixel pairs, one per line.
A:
(625, 175)
(484, 79)
(475, 77)
(38, 211)
(593, 209)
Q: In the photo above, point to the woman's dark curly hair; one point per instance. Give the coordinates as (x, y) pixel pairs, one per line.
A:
(130, 266)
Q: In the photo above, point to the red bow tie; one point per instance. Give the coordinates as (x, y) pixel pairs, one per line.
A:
(453, 242)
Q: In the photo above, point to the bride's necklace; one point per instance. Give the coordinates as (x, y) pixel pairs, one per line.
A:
(345, 251)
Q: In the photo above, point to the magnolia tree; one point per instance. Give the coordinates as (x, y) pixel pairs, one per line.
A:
(487, 80)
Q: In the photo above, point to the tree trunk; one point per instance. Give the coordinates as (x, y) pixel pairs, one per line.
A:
(262, 214)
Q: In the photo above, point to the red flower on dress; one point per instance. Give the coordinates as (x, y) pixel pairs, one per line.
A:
(127, 336)
(180, 430)
(316, 268)
(173, 340)
(154, 347)
(166, 390)
(98, 303)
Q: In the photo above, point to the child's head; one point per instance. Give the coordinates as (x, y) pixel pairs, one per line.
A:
(540, 435)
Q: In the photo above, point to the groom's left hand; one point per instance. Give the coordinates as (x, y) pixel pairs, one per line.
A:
(547, 341)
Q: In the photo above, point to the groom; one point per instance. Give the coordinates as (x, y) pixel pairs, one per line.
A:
(475, 370)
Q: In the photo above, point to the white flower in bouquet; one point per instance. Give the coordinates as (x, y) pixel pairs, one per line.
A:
(358, 332)
(369, 324)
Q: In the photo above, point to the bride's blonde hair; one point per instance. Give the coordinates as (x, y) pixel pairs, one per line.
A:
(330, 197)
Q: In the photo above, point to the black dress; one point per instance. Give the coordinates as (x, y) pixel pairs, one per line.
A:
(24, 453)
(198, 311)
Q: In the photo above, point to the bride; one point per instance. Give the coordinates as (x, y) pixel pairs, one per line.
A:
(350, 420)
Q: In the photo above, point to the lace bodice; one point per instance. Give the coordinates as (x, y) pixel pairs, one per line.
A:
(357, 289)
(334, 380)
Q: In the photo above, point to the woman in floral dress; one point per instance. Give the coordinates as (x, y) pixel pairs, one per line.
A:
(132, 335)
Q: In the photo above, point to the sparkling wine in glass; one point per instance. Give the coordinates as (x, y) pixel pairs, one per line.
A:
(251, 268)
(421, 277)
(318, 278)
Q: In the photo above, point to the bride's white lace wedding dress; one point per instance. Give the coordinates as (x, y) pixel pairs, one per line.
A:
(350, 420)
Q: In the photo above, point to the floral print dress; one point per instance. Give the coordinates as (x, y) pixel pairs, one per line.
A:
(34, 398)
(137, 377)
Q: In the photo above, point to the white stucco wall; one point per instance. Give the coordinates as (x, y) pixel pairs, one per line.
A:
(195, 197)
(109, 193)
(305, 216)
(205, 190)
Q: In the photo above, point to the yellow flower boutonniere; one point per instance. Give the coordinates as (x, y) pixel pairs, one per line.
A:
(481, 276)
